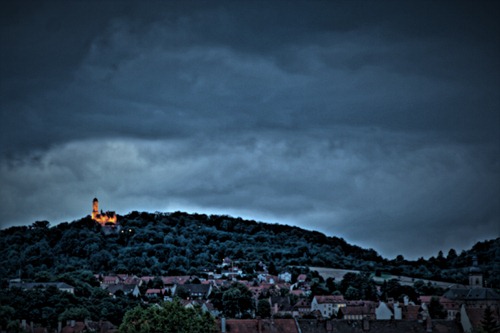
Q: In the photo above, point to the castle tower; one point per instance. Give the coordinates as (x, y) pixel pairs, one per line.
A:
(475, 275)
(95, 208)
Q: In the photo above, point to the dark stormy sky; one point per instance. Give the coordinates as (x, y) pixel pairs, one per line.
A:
(375, 121)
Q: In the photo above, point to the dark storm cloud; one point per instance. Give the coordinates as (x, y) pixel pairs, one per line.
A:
(358, 119)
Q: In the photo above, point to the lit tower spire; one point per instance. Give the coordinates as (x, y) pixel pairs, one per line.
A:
(95, 208)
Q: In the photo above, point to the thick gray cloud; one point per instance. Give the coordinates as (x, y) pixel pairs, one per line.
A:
(376, 123)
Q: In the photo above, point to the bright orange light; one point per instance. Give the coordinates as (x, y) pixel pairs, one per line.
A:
(102, 218)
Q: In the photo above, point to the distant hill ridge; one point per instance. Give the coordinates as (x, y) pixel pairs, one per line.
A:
(180, 243)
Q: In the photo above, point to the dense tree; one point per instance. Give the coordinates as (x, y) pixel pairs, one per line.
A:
(75, 313)
(393, 289)
(428, 288)
(358, 286)
(237, 301)
(7, 314)
(182, 292)
(488, 323)
(452, 255)
(352, 293)
(179, 243)
(168, 317)
(436, 309)
(264, 308)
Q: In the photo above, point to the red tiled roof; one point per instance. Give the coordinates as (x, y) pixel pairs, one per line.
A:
(410, 312)
(329, 299)
(476, 315)
(109, 279)
(154, 291)
(175, 279)
(425, 299)
(78, 327)
(209, 306)
(355, 310)
(252, 325)
(131, 280)
(449, 304)
(185, 302)
(303, 303)
(302, 277)
(359, 308)
(147, 278)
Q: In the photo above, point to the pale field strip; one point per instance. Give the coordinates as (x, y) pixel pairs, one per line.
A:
(338, 274)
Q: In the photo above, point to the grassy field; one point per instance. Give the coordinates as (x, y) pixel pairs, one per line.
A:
(338, 274)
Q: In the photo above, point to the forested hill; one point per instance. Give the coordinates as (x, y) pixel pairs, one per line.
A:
(180, 243)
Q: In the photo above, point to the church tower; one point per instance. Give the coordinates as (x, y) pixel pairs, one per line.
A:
(475, 275)
(95, 208)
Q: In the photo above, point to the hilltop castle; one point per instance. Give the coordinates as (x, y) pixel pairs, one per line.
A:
(104, 218)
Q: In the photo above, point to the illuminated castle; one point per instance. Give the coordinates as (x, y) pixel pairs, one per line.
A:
(104, 218)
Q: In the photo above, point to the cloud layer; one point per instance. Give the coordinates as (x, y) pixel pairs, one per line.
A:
(382, 129)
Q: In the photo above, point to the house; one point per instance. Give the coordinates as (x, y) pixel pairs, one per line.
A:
(398, 312)
(373, 326)
(198, 290)
(473, 296)
(111, 279)
(353, 313)
(301, 307)
(127, 289)
(146, 279)
(298, 292)
(62, 286)
(471, 316)
(383, 312)
(232, 272)
(301, 278)
(257, 325)
(451, 307)
(285, 277)
(189, 303)
(357, 310)
(264, 277)
(171, 280)
(155, 293)
(209, 307)
(130, 279)
(87, 326)
(101, 326)
(74, 327)
(411, 312)
(226, 262)
(327, 305)
(280, 305)
(257, 291)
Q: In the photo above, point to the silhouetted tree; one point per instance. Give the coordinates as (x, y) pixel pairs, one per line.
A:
(436, 309)
(489, 324)
(264, 308)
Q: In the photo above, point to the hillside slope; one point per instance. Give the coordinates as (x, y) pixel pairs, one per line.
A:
(181, 243)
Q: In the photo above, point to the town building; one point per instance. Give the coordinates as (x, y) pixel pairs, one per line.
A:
(328, 305)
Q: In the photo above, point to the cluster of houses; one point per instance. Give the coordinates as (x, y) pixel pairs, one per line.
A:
(464, 305)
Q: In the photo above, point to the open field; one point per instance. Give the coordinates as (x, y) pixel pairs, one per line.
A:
(338, 274)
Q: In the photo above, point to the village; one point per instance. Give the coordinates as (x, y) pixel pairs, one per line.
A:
(283, 303)
(290, 300)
